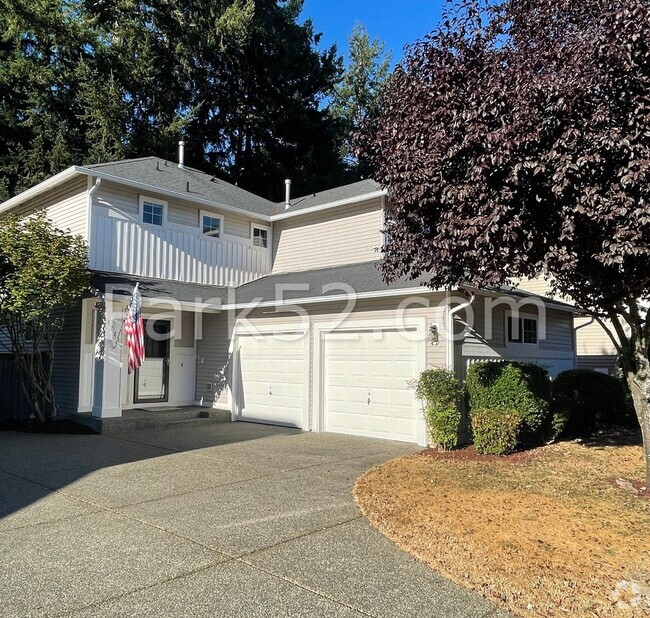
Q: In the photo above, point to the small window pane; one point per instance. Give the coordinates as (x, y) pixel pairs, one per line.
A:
(530, 331)
(211, 226)
(152, 213)
(514, 330)
(260, 237)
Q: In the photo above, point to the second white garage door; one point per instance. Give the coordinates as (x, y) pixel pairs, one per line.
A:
(272, 379)
(365, 385)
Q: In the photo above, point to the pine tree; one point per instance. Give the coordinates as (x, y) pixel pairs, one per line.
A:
(357, 95)
(240, 80)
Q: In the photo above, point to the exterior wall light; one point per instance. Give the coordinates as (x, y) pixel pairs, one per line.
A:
(434, 334)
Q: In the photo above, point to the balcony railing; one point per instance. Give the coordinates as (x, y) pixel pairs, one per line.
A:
(124, 246)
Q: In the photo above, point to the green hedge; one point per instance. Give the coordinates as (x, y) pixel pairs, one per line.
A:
(522, 387)
(496, 430)
(582, 398)
(438, 388)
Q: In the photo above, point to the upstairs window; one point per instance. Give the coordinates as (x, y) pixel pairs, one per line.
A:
(260, 237)
(522, 330)
(153, 212)
(211, 225)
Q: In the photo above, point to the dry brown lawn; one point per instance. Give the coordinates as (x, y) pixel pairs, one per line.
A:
(542, 534)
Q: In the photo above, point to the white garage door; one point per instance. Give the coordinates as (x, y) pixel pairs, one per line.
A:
(272, 373)
(365, 385)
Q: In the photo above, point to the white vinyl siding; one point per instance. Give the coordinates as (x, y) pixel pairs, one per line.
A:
(123, 201)
(66, 206)
(213, 360)
(592, 340)
(120, 242)
(346, 235)
(189, 215)
(537, 286)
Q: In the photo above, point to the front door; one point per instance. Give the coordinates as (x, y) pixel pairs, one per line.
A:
(152, 379)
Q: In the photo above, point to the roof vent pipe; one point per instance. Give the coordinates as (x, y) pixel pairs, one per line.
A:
(287, 184)
(181, 155)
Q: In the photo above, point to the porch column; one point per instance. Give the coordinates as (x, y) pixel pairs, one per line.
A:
(107, 388)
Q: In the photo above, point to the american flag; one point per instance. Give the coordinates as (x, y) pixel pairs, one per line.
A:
(134, 331)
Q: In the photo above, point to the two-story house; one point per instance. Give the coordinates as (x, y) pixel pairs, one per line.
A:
(276, 313)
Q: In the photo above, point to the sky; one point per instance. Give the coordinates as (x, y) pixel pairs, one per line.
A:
(396, 22)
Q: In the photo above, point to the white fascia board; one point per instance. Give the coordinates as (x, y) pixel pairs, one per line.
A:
(402, 292)
(175, 194)
(41, 187)
(347, 202)
(336, 298)
(158, 303)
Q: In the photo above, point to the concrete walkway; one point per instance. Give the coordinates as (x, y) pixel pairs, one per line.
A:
(197, 520)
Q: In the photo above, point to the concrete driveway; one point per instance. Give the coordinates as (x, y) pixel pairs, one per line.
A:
(203, 519)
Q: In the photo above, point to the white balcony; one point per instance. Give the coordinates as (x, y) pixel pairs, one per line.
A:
(125, 246)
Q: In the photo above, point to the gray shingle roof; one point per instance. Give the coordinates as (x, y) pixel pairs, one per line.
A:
(362, 278)
(159, 289)
(159, 173)
(167, 175)
(337, 194)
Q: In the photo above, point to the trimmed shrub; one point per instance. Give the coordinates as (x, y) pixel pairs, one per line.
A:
(496, 430)
(522, 387)
(582, 398)
(438, 388)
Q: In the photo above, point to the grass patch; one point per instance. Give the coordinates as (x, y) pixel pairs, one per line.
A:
(545, 534)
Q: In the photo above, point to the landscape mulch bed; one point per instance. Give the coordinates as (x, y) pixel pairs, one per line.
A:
(469, 454)
(541, 533)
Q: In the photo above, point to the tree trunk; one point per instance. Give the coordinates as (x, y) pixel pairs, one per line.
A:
(35, 372)
(638, 381)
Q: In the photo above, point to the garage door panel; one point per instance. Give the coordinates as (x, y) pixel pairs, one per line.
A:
(365, 385)
(272, 372)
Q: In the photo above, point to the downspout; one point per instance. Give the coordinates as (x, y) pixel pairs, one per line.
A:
(451, 357)
(89, 213)
(464, 430)
(575, 339)
(383, 222)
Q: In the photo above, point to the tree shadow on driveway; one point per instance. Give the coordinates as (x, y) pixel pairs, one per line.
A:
(137, 465)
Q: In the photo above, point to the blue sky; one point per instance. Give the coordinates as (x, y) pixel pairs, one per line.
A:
(396, 22)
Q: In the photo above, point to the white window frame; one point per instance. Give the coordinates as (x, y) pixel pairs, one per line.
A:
(155, 202)
(212, 215)
(265, 228)
(521, 345)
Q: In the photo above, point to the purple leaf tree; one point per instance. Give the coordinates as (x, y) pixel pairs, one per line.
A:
(515, 142)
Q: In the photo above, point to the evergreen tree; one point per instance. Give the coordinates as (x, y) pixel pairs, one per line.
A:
(357, 95)
(240, 80)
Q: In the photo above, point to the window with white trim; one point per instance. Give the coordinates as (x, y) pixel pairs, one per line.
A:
(153, 211)
(211, 224)
(260, 237)
(522, 330)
